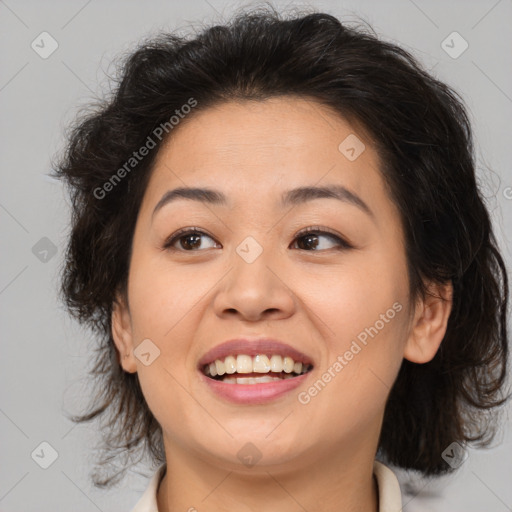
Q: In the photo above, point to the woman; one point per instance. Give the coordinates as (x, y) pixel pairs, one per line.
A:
(279, 240)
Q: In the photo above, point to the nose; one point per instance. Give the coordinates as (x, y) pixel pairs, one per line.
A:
(255, 291)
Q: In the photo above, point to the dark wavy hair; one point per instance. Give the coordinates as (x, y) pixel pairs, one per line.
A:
(422, 133)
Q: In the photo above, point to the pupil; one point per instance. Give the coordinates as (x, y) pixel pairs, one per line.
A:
(312, 240)
(196, 237)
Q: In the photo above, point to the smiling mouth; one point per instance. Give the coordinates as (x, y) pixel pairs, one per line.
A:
(244, 369)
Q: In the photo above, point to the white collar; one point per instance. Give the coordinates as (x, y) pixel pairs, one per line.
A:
(390, 498)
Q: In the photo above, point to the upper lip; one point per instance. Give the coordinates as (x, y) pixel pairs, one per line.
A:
(253, 347)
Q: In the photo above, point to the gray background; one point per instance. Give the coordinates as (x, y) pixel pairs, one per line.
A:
(45, 355)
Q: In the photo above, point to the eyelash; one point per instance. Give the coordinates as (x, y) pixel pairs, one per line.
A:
(317, 230)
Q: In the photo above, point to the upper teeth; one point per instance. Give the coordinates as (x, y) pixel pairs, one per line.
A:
(258, 364)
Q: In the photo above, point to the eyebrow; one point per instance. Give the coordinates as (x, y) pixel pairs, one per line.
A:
(292, 197)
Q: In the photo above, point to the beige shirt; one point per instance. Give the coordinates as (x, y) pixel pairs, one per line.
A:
(390, 498)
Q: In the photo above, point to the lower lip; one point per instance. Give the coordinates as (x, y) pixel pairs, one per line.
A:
(253, 393)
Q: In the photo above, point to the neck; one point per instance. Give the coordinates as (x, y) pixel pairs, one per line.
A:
(344, 483)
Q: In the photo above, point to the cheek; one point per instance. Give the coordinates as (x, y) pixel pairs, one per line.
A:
(363, 356)
(166, 308)
(160, 296)
(360, 311)
(162, 308)
(350, 298)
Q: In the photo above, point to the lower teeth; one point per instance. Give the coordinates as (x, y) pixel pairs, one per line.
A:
(255, 380)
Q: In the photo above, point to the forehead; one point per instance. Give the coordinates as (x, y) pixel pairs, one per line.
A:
(256, 148)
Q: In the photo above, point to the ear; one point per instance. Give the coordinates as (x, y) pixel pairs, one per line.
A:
(429, 324)
(122, 334)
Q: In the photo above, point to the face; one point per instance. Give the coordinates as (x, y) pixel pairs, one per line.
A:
(338, 294)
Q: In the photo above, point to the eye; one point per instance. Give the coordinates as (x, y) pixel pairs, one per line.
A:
(189, 238)
(312, 236)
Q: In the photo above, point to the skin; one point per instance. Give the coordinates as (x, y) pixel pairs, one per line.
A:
(317, 456)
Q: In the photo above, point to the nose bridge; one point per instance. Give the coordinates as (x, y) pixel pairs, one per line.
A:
(250, 265)
(253, 287)
(252, 233)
